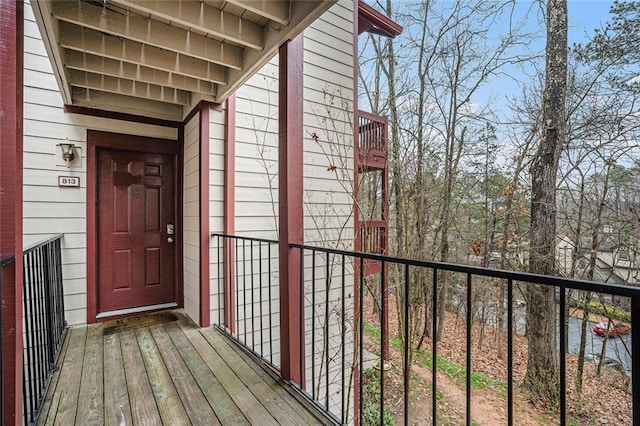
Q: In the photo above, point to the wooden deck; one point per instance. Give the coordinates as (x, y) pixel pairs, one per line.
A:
(171, 373)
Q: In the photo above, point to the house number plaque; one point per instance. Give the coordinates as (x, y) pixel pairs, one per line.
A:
(69, 181)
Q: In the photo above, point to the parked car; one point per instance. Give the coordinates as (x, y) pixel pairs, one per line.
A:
(608, 362)
(613, 329)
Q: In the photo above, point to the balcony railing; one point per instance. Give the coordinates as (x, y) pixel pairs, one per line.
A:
(44, 320)
(247, 294)
(372, 141)
(333, 335)
(372, 132)
(373, 239)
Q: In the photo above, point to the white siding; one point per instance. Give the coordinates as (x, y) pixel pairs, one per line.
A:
(191, 218)
(328, 186)
(216, 213)
(257, 154)
(328, 193)
(328, 113)
(49, 209)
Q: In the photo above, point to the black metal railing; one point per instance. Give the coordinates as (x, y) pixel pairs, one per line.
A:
(44, 320)
(5, 261)
(247, 298)
(337, 338)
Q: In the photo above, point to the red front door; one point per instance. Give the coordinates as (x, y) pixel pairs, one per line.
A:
(136, 218)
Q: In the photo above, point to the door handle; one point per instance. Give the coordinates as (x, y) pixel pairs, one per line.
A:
(170, 239)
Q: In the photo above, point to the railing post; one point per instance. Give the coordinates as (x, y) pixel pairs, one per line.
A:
(290, 196)
(48, 301)
(635, 359)
(229, 246)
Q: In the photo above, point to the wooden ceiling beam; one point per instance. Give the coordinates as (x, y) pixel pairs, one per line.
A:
(122, 86)
(276, 10)
(114, 68)
(149, 32)
(303, 13)
(125, 104)
(202, 17)
(100, 44)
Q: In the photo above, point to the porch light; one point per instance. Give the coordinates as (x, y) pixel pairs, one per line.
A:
(67, 151)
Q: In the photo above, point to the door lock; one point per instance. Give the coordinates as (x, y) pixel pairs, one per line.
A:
(170, 229)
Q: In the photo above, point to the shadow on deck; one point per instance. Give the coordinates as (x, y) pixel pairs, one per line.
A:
(163, 369)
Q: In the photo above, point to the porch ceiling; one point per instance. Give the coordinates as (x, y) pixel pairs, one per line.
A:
(160, 57)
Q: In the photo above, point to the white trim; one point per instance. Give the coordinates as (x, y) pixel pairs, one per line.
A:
(136, 310)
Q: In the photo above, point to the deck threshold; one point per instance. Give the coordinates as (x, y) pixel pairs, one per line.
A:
(137, 310)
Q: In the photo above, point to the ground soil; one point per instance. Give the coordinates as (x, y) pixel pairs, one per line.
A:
(605, 399)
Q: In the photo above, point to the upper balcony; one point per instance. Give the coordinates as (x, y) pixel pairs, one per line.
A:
(372, 142)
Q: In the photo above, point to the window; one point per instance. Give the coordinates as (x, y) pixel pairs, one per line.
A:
(623, 255)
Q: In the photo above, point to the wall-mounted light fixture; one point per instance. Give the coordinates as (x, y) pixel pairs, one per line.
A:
(67, 151)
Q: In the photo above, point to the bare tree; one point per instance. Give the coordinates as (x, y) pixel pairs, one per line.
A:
(541, 375)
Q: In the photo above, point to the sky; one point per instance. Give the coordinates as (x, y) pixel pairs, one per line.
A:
(585, 15)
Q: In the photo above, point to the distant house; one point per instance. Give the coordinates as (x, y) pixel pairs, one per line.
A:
(615, 262)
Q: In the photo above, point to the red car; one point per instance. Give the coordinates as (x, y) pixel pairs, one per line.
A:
(614, 329)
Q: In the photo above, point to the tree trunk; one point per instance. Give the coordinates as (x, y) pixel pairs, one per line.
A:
(509, 218)
(541, 377)
(396, 173)
(583, 342)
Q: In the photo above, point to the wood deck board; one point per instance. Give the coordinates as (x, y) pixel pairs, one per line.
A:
(169, 404)
(230, 350)
(143, 404)
(91, 398)
(116, 397)
(240, 392)
(284, 408)
(68, 386)
(223, 405)
(51, 402)
(195, 403)
(171, 373)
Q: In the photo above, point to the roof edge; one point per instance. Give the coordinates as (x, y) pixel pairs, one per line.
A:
(370, 20)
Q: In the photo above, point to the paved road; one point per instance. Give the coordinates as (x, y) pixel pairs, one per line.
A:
(617, 348)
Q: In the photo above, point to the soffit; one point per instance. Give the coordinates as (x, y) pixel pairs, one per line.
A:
(159, 58)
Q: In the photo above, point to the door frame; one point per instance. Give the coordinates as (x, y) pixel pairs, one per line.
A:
(99, 139)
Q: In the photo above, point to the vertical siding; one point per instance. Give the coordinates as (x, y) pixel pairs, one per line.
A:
(48, 208)
(191, 217)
